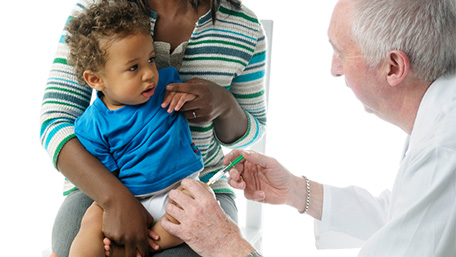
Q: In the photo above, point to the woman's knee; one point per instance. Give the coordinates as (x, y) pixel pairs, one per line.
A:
(228, 205)
(68, 220)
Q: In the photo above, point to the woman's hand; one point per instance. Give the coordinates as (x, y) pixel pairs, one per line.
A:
(125, 223)
(212, 103)
(211, 100)
(202, 223)
(108, 246)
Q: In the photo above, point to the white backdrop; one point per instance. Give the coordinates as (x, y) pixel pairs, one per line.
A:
(316, 126)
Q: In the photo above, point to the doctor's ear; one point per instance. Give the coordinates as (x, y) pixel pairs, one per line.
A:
(398, 67)
(93, 80)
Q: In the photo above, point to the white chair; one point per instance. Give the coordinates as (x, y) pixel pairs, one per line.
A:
(252, 229)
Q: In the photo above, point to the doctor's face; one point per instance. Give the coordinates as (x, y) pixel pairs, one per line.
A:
(348, 60)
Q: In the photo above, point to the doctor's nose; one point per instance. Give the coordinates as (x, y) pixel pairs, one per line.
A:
(337, 68)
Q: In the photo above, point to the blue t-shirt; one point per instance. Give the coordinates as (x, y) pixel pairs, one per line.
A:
(151, 148)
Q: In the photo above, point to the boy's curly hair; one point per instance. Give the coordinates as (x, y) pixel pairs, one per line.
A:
(91, 32)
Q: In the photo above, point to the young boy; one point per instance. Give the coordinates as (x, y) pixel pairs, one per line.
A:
(147, 148)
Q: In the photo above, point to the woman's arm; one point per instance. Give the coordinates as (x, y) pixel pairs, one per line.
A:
(232, 123)
(213, 103)
(248, 92)
(238, 111)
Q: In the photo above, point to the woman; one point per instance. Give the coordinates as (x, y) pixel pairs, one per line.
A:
(219, 49)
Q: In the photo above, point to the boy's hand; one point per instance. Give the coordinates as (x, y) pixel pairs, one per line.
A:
(152, 238)
(175, 100)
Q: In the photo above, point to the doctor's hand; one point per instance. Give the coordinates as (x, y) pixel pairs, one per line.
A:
(262, 178)
(202, 224)
(265, 180)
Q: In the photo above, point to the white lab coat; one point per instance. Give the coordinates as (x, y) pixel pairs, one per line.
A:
(418, 218)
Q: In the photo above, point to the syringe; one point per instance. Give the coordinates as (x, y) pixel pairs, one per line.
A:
(222, 172)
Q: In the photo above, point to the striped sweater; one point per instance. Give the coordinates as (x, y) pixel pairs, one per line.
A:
(230, 53)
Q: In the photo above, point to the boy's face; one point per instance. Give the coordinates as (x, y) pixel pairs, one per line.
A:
(130, 75)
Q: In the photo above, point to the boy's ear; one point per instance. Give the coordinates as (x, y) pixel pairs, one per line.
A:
(398, 67)
(93, 80)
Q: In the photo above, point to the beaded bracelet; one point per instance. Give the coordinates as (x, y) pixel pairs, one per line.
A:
(308, 195)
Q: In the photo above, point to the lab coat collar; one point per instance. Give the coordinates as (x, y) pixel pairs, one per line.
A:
(439, 98)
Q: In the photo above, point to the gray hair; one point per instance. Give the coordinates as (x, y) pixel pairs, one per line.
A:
(423, 29)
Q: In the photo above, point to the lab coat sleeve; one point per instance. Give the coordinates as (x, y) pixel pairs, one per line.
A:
(349, 217)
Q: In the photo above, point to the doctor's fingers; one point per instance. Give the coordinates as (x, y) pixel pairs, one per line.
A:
(193, 190)
(259, 159)
(231, 156)
(235, 180)
(173, 206)
(174, 229)
(258, 195)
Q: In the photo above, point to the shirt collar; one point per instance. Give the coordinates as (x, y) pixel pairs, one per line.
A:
(438, 99)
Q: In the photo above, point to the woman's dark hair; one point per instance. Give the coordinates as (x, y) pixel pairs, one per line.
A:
(195, 3)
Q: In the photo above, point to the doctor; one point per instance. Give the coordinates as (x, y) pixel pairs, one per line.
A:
(399, 59)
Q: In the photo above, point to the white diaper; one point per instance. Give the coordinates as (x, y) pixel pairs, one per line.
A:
(155, 204)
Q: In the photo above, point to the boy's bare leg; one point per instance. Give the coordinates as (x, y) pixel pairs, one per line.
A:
(89, 240)
(166, 240)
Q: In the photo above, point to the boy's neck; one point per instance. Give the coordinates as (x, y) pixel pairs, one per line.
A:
(108, 104)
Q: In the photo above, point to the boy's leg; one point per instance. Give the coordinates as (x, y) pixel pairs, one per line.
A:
(166, 239)
(89, 241)
(68, 220)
